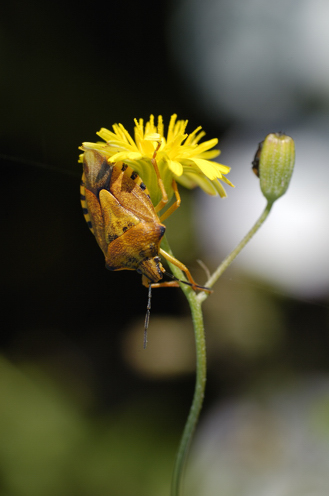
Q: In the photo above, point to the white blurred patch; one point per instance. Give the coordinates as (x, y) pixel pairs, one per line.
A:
(271, 444)
(250, 59)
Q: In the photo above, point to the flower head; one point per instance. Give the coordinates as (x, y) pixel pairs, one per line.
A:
(274, 164)
(180, 156)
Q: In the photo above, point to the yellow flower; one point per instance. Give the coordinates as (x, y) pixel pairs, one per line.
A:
(180, 156)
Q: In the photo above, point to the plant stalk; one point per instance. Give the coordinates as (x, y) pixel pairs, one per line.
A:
(201, 371)
(195, 302)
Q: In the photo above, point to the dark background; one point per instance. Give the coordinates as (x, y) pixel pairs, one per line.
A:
(66, 71)
(69, 72)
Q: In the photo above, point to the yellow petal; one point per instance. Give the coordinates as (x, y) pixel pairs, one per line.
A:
(210, 154)
(191, 139)
(207, 168)
(153, 137)
(147, 148)
(122, 156)
(227, 181)
(187, 181)
(175, 167)
(219, 187)
(160, 125)
(224, 169)
(86, 145)
(213, 188)
(206, 146)
(191, 180)
(105, 134)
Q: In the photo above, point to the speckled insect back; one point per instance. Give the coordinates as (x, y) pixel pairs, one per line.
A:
(119, 212)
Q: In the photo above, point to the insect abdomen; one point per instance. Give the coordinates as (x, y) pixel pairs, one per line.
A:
(84, 204)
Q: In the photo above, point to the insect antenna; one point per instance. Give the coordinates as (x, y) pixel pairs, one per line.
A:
(147, 316)
(187, 283)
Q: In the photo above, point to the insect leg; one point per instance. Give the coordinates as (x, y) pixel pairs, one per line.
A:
(165, 284)
(182, 267)
(164, 199)
(175, 205)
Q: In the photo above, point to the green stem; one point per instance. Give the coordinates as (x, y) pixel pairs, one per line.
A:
(195, 302)
(229, 259)
(200, 384)
(201, 371)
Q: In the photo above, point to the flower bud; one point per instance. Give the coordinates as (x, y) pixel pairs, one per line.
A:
(273, 163)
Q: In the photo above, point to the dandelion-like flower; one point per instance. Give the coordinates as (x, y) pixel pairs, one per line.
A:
(180, 156)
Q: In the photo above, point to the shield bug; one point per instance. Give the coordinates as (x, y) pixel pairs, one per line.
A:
(119, 212)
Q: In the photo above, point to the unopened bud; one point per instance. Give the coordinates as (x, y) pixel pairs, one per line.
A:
(273, 163)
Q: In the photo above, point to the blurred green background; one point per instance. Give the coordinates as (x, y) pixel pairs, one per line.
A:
(84, 410)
